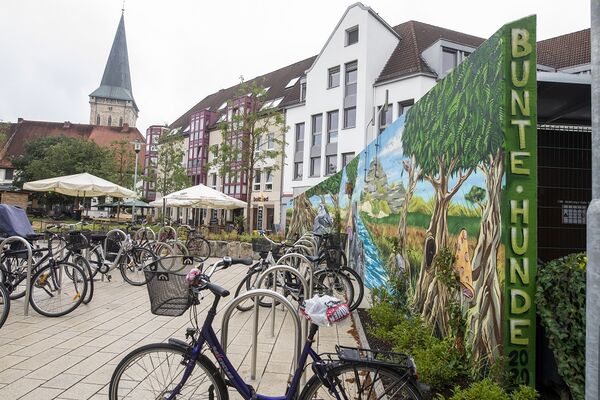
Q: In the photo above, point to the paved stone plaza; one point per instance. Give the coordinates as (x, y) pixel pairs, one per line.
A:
(73, 357)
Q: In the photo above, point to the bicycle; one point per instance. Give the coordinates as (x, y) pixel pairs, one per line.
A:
(195, 243)
(116, 249)
(331, 276)
(4, 304)
(57, 287)
(180, 370)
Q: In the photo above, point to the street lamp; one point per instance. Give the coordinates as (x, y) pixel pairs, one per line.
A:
(137, 147)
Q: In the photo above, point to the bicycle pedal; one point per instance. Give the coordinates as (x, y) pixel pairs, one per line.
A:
(108, 277)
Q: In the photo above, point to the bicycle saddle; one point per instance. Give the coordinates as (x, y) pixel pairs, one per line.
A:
(97, 237)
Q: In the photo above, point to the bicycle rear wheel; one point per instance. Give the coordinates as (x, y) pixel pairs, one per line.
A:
(4, 304)
(363, 380)
(152, 371)
(53, 293)
(334, 283)
(357, 284)
(199, 248)
(133, 264)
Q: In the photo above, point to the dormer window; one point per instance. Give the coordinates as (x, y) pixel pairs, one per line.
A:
(303, 88)
(449, 59)
(352, 35)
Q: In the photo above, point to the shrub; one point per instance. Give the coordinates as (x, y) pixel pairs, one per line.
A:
(560, 300)
(489, 390)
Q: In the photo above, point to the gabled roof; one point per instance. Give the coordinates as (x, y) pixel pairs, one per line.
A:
(415, 37)
(17, 134)
(116, 80)
(276, 81)
(365, 8)
(570, 50)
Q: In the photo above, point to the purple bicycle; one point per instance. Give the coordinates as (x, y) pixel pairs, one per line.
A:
(179, 369)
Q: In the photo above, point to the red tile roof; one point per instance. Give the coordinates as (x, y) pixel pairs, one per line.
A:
(17, 134)
(565, 51)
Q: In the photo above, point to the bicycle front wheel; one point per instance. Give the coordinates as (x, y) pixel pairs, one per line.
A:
(153, 371)
(58, 289)
(357, 284)
(362, 380)
(4, 304)
(133, 264)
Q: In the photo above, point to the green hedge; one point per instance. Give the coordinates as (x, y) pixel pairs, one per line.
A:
(560, 302)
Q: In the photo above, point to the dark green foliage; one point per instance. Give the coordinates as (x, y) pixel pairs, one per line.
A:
(438, 361)
(445, 273)
(352, 170)
(560, 301)
(329, 186)
(489, 390)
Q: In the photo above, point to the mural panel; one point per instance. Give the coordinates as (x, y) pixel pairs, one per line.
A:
(438, 184)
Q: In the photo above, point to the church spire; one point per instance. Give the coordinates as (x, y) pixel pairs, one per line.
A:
(115, 86)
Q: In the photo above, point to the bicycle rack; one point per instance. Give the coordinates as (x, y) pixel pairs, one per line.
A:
(29, 263)
(257, 294)
(284, 268)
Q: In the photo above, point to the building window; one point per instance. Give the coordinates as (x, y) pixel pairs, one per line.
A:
(121, 121)
(300, 137)
(303, 88)
(385, 117)
(352, 35)
(298, 170)
(98, 119)
(9, 174)
(317, 127)
(331, 167)
(332, 126)
(350, 117)
(268, 179)
(404, 106)
(109, 120)
(270, 141)
(257, 176)
(213, 178)
(333, 77)
(350, 78)
(315, 166)
(449, 60)
(346, 158)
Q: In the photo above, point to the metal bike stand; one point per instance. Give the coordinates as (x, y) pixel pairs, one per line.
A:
(274, 272)
(257, 294)
(305, 243)
(29, 263)
(105, 250)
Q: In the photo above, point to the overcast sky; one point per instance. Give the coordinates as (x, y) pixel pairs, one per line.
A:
(53, 52)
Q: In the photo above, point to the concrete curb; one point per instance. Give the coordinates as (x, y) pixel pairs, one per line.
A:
(364, 343)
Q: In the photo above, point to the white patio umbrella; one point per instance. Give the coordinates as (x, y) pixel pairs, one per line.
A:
(85, 185)
(199, 196)
(79, 185)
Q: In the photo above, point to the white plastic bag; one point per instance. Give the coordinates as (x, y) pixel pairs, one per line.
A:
(324, 310)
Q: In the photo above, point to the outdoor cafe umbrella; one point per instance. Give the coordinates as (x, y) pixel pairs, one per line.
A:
(199, 196)
(84, 184)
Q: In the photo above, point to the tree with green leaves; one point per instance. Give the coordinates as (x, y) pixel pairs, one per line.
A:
(331, 187)
(451, 132)
(169, 172)
(253, 137)
(124, 156)
(53, 156)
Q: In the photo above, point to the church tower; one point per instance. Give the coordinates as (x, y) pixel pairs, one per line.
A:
(112, 104)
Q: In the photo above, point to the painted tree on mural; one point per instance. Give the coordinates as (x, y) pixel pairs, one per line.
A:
(302, 217)
(484, 325)
(331, 187)
(413, 172)
(450, 132)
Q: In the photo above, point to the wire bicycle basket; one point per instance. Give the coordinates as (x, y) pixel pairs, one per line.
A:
(77, 240)
(169, 292)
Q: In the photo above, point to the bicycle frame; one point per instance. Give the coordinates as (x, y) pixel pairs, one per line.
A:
(208, 337)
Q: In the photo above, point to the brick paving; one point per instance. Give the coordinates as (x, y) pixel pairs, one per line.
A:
(73, 357)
